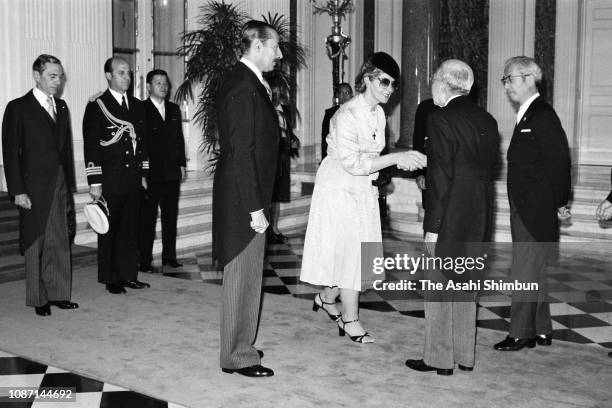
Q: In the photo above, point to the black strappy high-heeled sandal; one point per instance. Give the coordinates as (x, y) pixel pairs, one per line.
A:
(357, 339)
(316, 307)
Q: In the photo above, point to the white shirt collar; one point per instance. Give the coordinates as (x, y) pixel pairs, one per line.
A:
(42, 98)
(118, 97)
(158, 105)
(525, 106)
(253, 68)
(161, 107)
(451, 98)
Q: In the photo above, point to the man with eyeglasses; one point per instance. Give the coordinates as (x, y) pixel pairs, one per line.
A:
(538, 191)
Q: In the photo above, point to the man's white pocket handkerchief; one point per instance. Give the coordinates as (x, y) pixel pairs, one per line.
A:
(525, 130)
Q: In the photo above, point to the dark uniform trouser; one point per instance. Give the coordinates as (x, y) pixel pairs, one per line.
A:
(164, 194)
(242, 280)
(47, 260)
(450, 326)
(530, 312)
(118, 248)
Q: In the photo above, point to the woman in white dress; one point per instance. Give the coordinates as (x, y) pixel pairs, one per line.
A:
(344, 209)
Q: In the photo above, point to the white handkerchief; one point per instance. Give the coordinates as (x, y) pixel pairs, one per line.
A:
(525, 130)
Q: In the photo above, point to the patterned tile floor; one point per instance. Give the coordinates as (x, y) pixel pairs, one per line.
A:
(580, 289)
(18, 373)
(580, 295)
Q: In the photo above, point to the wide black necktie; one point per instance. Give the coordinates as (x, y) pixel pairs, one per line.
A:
(124, 104)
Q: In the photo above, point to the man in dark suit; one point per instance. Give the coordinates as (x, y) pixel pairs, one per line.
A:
(167, 168)
(242, 193)
(604, 213)
(116, 166)
(345, 92)
(538, 190)
(461, 154)
(39, 169)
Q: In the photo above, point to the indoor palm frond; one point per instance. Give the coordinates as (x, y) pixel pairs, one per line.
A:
(210, 52)
(214, 49)
(341, 8)
(294, 54)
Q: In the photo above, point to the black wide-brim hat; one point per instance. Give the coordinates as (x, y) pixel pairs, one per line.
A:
(386, 63)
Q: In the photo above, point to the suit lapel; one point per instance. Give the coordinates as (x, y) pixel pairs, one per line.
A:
(40, 111)
(61, 123)
(261, 89)
(528, 114)
(152, 108)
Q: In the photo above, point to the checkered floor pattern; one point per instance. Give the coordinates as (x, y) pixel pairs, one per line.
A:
(580, 290)
(20, 373)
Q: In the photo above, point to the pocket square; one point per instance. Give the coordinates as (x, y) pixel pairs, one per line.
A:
(525, 130)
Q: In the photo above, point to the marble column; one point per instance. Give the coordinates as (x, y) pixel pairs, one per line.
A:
(566, 68)
(419, 60)
(389, 26)
(511, 33)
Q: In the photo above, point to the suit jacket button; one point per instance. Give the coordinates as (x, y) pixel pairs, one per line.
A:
(127, 165)
(127, 152)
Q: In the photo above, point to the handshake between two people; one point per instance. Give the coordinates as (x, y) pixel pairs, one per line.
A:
(410, 160)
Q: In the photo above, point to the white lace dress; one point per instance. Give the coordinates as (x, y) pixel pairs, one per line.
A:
(344, 209)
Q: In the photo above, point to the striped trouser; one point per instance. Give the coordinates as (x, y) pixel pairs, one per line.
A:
(47, 260)
(242, 280)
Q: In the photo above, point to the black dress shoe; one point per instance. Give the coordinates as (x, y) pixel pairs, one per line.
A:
(544, 339)
(142, 284)
(44, 310)
(252, 371)
(419, 365)
(172, 262)
(510, 344)
(131, 284)
(64, 304)
(465, 368)
(115, 288)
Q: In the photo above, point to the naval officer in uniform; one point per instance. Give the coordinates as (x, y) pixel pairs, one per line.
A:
(116, 166)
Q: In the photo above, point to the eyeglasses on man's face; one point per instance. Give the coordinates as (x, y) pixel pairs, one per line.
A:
(386, 82)
(509, 79)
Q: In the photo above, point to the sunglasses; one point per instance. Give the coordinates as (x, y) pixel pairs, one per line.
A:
(386, 82)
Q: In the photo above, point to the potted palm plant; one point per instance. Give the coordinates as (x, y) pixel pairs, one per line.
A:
(212, 50)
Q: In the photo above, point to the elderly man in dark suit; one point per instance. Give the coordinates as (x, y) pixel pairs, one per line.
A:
(167, 168)
(116, 166)
(538, 189)
(242, 193)
(39, 168)
(462, 155)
